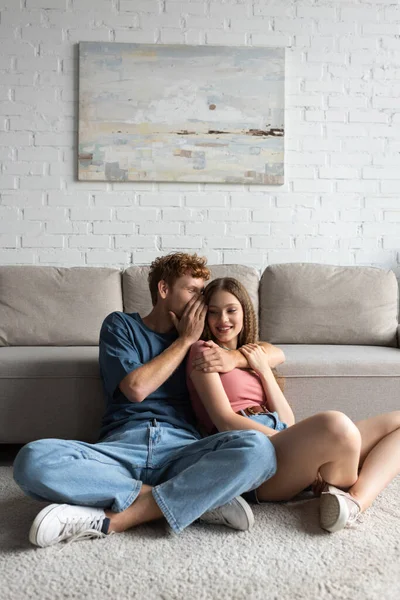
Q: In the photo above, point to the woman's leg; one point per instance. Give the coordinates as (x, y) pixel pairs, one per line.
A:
(380, 456)
(328, 442)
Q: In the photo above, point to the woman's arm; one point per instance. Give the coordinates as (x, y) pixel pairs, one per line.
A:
(275, 399)
(212, 394)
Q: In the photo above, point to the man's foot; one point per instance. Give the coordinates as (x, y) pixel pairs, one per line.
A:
(338, 509)
(236, 514)
(65, 522)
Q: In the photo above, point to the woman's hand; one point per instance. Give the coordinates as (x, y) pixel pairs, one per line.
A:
(256, 358)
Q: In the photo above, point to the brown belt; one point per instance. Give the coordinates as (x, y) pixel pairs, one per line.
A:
(253, 410)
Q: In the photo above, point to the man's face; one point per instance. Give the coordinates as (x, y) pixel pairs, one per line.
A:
(181, 291)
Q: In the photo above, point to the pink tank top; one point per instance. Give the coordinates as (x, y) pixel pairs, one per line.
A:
(243, 388)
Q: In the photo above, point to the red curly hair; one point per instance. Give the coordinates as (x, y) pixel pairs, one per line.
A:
(172, 266)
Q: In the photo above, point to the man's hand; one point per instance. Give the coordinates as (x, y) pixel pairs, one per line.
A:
(191, 324)
(214, 359)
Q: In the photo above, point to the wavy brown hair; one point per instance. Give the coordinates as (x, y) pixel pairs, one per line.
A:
(249, 333)
(172, 266)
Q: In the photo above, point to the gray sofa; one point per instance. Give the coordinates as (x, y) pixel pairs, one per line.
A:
(338, 327)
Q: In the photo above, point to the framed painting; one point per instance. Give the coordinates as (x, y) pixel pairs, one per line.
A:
(150, 112)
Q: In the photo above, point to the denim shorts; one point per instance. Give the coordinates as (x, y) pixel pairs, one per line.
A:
(269, 420)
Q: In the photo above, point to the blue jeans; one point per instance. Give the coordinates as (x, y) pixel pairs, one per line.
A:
(189, 475)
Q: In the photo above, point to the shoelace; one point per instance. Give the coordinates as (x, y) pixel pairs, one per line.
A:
(214, 516)
(79, 528)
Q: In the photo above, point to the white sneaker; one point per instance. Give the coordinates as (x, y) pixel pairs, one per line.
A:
(236, 514)
(65, 522)
(338, 509)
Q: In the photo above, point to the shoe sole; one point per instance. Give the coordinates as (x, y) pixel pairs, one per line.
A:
(334, 512)
(33, 533)
(248, 512)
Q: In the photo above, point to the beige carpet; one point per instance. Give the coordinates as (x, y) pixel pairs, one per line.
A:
(285, 556)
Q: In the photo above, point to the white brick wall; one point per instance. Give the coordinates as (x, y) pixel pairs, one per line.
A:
(340, 201)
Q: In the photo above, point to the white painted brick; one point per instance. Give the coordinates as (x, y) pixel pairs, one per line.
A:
(149, 6)
(228, 215)
(80, 199)
(60, 4)
(18, 48)
(391, 243)
(235, 11)
(333, 116)
(90, 214)
(338, 172)
(127, 242)
(20, 227)
(392, 216)
(381, 228)
(8, 241)
(128, 21)
(381, 258)
(21, 200)
(103, 7)
(172, 36)
(321, 144)
(89, 35)
(390, 187)
(42, 241)
(301, 172)
(354, 159)
(182, 242)
(368, 116)
(109, 199)
(380, 173)
(247, 228)
(306, 158)
(294, 25)
(327, 87)
(323, 43)
(347, 101)
(17, 257)
(288, 256)
(352, 43)
(387, 159)
(148, 199)
(358, 145)
(145, 257)
(44, 213)
(383, 29)
(7, 182)
(159, 228)
(254, 200)
(384, 102)
(226, 242)
(392, 13)
(257, 25)
(312, 186)
(165, 20)
(358, 242)
(205, 228)
(326, 57)
(378, 202)
(36, 183)
(313, 12)
(137, 214)
(270, 38)
(340, 28)
(323, 242)
(359, 14)
(135, 37)
(273, 9)
(113, 228)
(204, 200)
(243, 257)
(225, 38)
(66, 227)
(360, 215)
(14, 139)
(304, 200)
(346, 130)
(386, 73)
(300, 128)
(89, 241)
(96, 257)
(357, 186)
(273, 214)
(181, 214)
(64, 257)
(331, 229)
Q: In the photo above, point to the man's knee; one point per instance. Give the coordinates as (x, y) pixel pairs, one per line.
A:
(262, 452)
(31, 461)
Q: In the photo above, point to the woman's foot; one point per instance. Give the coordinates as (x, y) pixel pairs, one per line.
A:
(338, 509)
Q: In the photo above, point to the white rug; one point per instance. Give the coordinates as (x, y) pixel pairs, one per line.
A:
(285, 556)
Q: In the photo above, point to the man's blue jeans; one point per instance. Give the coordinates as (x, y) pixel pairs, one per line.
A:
(190, 475)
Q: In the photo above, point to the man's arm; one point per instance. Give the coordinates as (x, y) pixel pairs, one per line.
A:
(214, 359)
(144, 380)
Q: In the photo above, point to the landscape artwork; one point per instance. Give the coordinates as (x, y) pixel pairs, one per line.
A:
(150, 112)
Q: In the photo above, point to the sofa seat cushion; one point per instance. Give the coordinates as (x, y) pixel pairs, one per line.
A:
(50, 392)
(361, 381)
(51, 306)
(306, 303)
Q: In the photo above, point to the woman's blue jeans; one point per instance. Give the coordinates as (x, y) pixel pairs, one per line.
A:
(190, 475)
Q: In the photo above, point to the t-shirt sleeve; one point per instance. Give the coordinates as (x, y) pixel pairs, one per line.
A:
(118, 353)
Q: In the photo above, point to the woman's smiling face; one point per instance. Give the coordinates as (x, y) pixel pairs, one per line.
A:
(225, 318)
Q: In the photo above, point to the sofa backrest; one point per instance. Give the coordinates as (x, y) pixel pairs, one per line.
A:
(136, 292)
(306, 303)
(50, 306)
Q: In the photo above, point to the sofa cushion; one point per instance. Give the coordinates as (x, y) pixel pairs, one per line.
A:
(136, 292)
(361, 381)
(50, 306)
(307, 303)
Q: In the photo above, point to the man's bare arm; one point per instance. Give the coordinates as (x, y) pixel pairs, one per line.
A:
(144, 380)
(214, 359)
